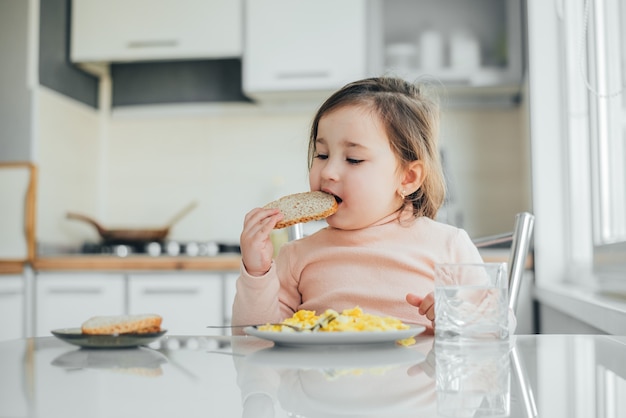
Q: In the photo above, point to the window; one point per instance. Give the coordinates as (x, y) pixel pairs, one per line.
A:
(604, 76)
(593, 65)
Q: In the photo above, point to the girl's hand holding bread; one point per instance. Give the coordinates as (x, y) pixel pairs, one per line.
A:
(256, 245)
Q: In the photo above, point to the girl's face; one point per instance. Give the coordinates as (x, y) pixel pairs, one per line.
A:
(354, 162)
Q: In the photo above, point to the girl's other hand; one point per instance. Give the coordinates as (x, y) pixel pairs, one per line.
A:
(425, 305)
(256, 245)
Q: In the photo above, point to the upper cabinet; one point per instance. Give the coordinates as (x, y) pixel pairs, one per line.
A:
(464, 45)
(305, 49)
(142, 30)
(303, 46)
(473, 49)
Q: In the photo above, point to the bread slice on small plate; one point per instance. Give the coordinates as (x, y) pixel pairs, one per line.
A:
(122, 324)
(304, 207)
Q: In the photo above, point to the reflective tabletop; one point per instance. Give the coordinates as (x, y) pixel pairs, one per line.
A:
(217, 376)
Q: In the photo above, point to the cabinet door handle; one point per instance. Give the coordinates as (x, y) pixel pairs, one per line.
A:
(170, 291)
(154, 43)
(75, 291)
(10, 293)
(302, 74)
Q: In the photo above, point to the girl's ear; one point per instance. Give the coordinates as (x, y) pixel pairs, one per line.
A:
(414, 176)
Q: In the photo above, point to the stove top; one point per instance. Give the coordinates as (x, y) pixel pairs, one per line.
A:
(160, 248)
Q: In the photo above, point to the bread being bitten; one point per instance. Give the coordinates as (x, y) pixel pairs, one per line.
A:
(122, 324)
(304, 207)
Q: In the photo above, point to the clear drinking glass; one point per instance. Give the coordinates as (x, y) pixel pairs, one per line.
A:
(471, 302)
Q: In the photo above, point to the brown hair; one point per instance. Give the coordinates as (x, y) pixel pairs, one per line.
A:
(411, 121)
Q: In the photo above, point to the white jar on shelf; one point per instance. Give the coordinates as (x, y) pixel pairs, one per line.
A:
(431, 47)
(464, 52)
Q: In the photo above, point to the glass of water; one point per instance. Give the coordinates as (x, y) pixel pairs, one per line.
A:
(471, 302)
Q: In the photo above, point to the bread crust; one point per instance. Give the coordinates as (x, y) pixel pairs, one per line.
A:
(122, 324)
(304, 207)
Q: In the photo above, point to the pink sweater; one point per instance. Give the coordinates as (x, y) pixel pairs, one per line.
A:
(373, 268)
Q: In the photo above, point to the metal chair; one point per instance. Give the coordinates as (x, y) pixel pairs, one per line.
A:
(520, 243)
(295, 232)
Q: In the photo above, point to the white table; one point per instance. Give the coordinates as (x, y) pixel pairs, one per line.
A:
(554, 375)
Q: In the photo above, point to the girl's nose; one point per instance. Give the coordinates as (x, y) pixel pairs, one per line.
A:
(330, 171)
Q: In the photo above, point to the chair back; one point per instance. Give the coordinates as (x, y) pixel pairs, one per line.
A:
(520, 239)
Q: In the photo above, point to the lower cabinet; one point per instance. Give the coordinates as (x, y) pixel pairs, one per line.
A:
(187, 302)
(12, 307)
(65, 300)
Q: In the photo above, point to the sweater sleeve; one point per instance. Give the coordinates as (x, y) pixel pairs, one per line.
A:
(463, 249)
(256, 300)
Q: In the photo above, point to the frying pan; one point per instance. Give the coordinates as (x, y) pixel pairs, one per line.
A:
(135, 235)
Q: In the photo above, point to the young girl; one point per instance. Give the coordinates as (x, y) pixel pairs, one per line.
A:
(373, 145)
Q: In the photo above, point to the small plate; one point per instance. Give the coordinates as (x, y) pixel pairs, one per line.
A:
(307, 339)
(75, 336)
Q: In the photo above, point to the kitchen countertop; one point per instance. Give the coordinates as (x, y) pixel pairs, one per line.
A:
(192, 376)
(226, 262)
(220, 262)
(11, 266)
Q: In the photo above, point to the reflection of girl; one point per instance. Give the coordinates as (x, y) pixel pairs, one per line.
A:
(373, 145)
(258, 384)
(382, 385)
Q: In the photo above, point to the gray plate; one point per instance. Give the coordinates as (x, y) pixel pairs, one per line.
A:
(75, 336)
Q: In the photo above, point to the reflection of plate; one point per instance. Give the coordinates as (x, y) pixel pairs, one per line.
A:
(140, 359)
(355, 392)
(334, 338)
(75, 336)
(366, 357)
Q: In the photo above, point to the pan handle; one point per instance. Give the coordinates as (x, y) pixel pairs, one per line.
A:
(78, 216)
(182, 213)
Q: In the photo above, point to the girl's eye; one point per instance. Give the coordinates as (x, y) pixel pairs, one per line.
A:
(353, 161)
(321, 156)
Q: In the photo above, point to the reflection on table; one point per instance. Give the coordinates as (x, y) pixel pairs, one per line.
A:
(538, 375)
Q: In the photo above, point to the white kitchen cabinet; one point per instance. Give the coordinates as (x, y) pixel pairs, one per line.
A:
(12, 307)
(18, 81)
(66, 300)
(137, 30)
(302, 46)
(461, 44)
(188, 302)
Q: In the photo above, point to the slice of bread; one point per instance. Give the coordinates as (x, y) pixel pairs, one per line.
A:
(122, 324)
(304, 207)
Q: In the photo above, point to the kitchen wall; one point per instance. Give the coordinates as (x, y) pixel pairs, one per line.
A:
(139, 166)
(68, 155)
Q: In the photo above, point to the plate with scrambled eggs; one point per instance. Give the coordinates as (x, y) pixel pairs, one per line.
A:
(351, 326)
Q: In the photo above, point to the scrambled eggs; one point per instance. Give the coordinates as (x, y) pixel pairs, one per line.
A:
(331, 321)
